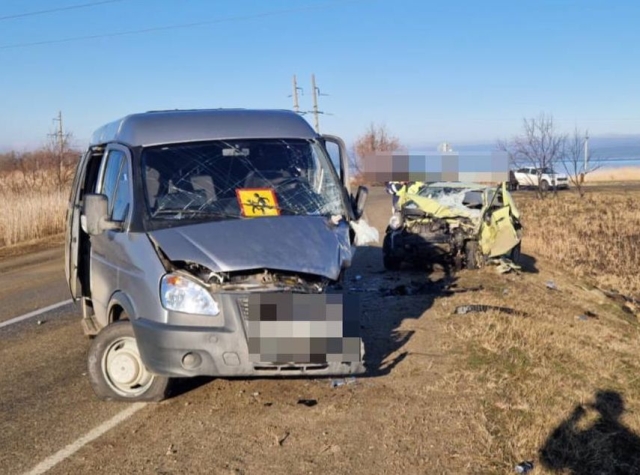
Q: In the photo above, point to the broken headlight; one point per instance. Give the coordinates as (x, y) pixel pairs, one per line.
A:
(181, 294)
(395, 222)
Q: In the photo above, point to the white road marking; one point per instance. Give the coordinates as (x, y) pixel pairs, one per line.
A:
(69, 450)
(35, 313)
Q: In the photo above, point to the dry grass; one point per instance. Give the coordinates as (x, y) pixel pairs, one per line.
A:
(594, 238)
(30, 212)
(613, 174)
(530, 373)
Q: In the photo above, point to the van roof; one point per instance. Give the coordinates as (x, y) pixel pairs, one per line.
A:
(179, 126)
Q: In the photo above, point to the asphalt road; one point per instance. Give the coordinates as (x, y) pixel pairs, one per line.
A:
(46, 403)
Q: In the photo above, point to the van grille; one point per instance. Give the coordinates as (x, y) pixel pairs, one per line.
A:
(243, 307)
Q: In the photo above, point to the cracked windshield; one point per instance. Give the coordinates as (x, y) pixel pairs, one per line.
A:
(238, 179)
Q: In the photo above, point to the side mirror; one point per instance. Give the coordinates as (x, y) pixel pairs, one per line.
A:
(96, 212)
(360, 201)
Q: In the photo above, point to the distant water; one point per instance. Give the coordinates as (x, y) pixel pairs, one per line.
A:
(604, 163)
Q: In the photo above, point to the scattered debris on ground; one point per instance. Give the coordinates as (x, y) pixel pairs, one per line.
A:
(551, 285)
(426, 288)
(504, 265)
(628, 303)
(335, 383)
(524, 467)
(283, 438)
(586, 315)
(479, 308)
(308, 402)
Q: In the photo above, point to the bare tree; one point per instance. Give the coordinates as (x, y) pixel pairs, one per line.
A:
(375, 140)
(577, 163)
(539, 146)
(60, 158)
(51, 166)
(30, 168)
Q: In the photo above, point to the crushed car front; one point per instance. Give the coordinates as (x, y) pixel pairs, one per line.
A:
(453, 223)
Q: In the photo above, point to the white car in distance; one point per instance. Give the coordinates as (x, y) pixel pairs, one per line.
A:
(546, 178)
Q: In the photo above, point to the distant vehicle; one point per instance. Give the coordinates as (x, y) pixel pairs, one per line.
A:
(546, 178)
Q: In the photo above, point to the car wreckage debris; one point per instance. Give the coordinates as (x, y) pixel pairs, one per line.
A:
(551, 285)
(428, 288)
(504, 265)
(336, 383)
(524, 467)
(479, 308)
(365, 233)
(308, 402)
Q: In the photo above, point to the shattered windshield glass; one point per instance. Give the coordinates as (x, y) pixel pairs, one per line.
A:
(235, 179)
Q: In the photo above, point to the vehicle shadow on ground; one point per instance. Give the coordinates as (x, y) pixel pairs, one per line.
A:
(605, 446)
(180, 386)
(528, 263)
(387, 298)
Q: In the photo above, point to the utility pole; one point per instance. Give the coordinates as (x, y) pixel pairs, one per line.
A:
(296, 107)
(296, 88)
(60, 142)
(315, 102)
(60, 135)
(586, 151)
(316, 93)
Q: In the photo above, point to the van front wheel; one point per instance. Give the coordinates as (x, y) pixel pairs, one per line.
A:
(116, 371)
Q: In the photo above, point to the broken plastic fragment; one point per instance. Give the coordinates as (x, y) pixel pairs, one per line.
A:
(504, 265)
(524, 467)
(335, 383)
(365, 233)
(477, 308)
(551, 285)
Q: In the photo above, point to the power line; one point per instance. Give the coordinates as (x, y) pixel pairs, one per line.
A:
(184, 25)
(59, 9)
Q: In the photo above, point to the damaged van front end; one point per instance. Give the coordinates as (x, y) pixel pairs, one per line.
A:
(253, 297)
(453, 224)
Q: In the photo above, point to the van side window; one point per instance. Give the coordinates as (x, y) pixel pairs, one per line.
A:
(122, 199)
(115, 185)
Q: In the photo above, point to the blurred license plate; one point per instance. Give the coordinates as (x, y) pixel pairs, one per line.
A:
(303, 328)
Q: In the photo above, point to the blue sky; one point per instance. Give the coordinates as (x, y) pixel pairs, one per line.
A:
(432, 71)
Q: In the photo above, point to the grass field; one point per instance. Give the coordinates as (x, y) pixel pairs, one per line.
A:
(530, 374)
(595, 237)
(604, 175)
(30, 211)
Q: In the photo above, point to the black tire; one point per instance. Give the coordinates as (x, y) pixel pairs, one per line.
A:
(389, 262)
(544, 185)
(471, 255)
(117, 340)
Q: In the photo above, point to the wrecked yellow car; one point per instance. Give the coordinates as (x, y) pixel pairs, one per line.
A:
(457, 225)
